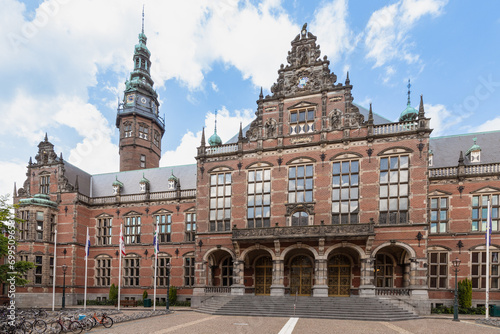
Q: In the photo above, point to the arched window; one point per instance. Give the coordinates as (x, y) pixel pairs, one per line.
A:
(384, 270)
(300, 218)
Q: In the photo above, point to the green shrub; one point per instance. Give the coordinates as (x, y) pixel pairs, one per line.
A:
(145, 295)
(465, 293)
(172, 295)
(113, 292)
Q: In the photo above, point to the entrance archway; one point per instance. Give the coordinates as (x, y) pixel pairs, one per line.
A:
(301, 275)
(384, 271)
(263, 275)
(339, 276)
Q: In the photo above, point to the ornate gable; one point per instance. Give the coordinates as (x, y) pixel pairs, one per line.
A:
(305, 72)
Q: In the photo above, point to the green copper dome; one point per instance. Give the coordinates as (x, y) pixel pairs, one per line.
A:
(474, 147)
(144, 180)
(410, 113)
(215, 140)
(173, 177)
(38, 199)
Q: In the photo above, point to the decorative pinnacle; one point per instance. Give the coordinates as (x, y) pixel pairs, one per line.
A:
(203, 137)
(46, 137)
(347, 81)
(215, 129)
(409, 86)
(261, 95)
(421, 112)
(143, 18)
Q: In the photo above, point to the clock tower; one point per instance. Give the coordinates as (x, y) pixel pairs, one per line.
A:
(141, 127)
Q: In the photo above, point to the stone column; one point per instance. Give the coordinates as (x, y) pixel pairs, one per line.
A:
(418, 279)
(406, 275)
(320, 288)
(201, 278)
(277, 287)
(238, 287)
(367, 286)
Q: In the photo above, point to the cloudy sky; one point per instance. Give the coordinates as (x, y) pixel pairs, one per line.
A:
(63, 64)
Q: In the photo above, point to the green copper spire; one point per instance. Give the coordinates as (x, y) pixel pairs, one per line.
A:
(410, 113)
(215, 140)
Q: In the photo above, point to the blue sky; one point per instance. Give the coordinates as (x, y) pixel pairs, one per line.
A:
(64, 63)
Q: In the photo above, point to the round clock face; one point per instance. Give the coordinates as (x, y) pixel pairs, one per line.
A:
(130, 98)
(143, 100)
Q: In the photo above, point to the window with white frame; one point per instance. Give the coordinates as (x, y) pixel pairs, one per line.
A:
(132, 233)
(439, 214)
(480, 212)
(104, 231)
(394, 187)
(259, 198)
(300, 184)
(164, 221)
(143, 161)
(345, 192)
(302, 121)
(39, 225)
(190, 226)
(220, 202)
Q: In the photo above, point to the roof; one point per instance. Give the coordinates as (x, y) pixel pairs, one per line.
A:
(100, 185)
(446, 150)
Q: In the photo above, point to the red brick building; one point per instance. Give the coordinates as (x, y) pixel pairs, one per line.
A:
(317, 196)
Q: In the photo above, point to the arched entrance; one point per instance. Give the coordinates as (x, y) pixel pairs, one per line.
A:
(301, 275)
(339, 276)
(263, 275)
(227, 271)
(384, 271)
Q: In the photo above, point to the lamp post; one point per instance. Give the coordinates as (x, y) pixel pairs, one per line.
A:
(456, 264)
(168, 284)
(64, 268)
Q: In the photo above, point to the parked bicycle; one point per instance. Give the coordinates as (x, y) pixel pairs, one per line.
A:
(66, 325)
(105, 320)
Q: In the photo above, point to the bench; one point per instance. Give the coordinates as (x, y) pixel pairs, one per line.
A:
(126, 303)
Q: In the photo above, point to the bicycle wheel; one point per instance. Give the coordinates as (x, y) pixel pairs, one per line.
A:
(76, 327)
(42, 314)
(107, 322)
(39, 326)
(87, 324)
(55, 327)
(26, 326)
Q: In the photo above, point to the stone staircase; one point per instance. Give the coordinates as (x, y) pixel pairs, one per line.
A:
(352, 308)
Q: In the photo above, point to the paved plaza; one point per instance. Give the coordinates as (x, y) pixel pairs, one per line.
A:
(199, 323)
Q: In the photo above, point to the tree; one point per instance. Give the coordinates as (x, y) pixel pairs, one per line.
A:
(12, 269)
(113, 292)
(465, 293)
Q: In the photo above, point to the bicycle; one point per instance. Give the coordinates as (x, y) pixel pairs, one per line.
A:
(66, 325)
(37, 312)
(105, 320)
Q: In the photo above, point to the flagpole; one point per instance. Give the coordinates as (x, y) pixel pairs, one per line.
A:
(156, 263)
(86, 262)
(488, 226)
(54, 272)
(120, 268)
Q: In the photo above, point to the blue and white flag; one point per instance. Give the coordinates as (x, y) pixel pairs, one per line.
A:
(488, 226)
(87, 245)
(156, 244)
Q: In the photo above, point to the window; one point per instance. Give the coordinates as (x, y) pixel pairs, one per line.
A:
(259, 198)
(164, 222)
(393, 202)
(24, 258)
(131, 273)
(103, 271)
(438, 270)
(132, 230)
(189, 271)
(300, 218)
(220, 202)
(227, 271)
(478, 272)
(104, 231)
(345, 192)
(190, 226)
(22, 226)
(302, 121)
(44, 184)
(39, 225)
(162, 271)
(127, 130)
(143, 131)
(384, 271)
(52, 227)
(156, 139)
(143, 161)
(480, 212)
(439, 214)
(51, 267)
(300, 184)
(38, 269)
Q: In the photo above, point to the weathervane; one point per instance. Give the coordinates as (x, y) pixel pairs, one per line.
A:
(409, 86)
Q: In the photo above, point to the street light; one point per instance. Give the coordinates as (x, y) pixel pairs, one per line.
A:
(456, 264)
(168, 284)
(64, 268)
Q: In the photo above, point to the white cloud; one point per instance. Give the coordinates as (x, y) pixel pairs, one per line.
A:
(443, 121)
(386, 34)
(489, 125)
(11, 172)
(334, 35)
(214, 86)
(228, 125)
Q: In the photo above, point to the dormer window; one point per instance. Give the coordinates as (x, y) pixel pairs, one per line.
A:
(117, 187)
(302, 121)
(474, 153)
